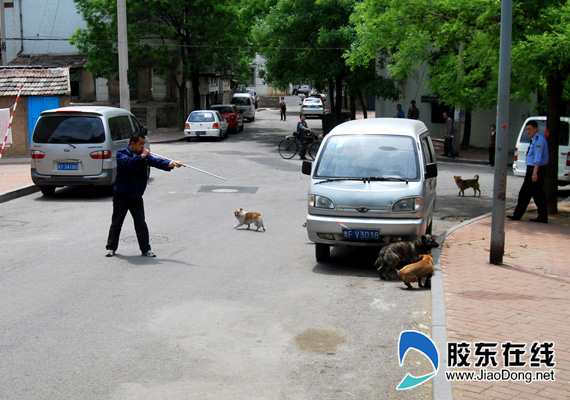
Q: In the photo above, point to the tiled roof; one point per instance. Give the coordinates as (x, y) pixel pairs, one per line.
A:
(49, 61)
(37, 81)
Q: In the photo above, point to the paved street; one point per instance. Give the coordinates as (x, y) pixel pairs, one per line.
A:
(220, 313)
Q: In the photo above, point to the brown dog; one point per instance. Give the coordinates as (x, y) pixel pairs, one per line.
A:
(463, 184)
(248, 218)
(416, 271)
(402, 253)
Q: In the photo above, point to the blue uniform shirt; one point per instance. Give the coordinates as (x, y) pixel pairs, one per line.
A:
(537, 151)
(132, 172)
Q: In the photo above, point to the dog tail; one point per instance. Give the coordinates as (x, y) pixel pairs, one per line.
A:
(476, 177)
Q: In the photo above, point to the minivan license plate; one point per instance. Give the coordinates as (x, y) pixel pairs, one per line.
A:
(67, 166)
(360, 234)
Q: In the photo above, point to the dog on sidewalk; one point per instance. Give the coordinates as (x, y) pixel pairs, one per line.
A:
(398, 253)
(463, 184)
(418, 270)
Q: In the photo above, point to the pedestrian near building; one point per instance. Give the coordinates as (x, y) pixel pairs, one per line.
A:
(533, 184)
(492, 141)
(132, 176)
(448, 135)
(413, 111)
(283, 109)
(303, 131)
(400, 113)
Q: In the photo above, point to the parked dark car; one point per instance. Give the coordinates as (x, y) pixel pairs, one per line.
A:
(231, 115)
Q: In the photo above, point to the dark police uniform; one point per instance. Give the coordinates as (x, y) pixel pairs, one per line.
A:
(132, 177)
(302, 133)
(537, 154)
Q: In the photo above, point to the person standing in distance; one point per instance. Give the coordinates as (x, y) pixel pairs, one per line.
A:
(132, 176)
(303, 131)
(283, 108)
(400, 113)
(448, 134)
(413, 111)
(533, 184)
(492, 141)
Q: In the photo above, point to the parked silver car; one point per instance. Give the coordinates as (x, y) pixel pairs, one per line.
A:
(78, 145)
(373, 182)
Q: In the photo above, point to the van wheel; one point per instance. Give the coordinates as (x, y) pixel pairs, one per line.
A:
(322, 252)
(47, 190)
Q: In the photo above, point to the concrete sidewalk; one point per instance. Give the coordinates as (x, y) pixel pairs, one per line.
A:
(525, 300)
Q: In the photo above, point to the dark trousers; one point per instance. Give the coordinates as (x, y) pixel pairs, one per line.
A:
(448, 147)
(284, 115)
(492, 155)
(534, 190)
(121, 205)
(303, 142)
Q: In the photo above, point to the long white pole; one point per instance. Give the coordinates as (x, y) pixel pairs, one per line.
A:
(189, 166)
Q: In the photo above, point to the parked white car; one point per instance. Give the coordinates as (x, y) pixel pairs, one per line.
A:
(312, 106)
(204, 123)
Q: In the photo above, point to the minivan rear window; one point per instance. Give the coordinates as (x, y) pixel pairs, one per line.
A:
(69, 129)
(242, 101)
(563, 135)
(363, 156)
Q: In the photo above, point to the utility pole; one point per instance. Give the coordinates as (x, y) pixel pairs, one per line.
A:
(122, 41)
(3, 17)
(502, 140)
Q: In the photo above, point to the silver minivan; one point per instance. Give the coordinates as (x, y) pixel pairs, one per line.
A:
(519, 164)
(78, 145)
(244, 105)
(373, 182)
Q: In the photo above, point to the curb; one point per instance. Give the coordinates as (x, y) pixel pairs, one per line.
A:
(20, 192)
(442, 388)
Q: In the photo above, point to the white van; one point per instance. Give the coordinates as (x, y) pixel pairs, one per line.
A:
(244, 105)
(519, 164)
(78, 146)
(373, 182)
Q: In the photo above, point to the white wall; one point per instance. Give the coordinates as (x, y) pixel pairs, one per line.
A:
(47, 26)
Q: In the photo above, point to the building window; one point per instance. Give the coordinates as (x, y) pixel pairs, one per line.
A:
(75, 82)
(252, 77)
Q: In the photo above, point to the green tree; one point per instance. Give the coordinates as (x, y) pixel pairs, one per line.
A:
(459, 42)
(178, 37)
(304, 41)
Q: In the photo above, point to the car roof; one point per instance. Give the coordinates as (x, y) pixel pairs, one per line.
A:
(374, 126)
(242, 95)
(222, 105)
(100, 110)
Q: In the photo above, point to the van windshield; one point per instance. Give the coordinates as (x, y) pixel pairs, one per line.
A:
(364, 156)
(69, 129)
(563, 135)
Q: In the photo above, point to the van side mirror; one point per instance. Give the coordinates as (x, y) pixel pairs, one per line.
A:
(431, 171)
(307, 167)
(144, 130)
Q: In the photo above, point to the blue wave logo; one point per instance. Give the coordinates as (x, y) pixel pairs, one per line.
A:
(420, 342)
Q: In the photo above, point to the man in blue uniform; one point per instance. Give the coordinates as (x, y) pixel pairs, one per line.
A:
(303, 131)
(132, 176)
(533, 185)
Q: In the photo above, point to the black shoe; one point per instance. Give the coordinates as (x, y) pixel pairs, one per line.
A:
(544, 221)
(303, 158)
(513, 217)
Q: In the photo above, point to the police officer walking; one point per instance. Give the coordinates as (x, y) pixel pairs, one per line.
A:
(533, 184)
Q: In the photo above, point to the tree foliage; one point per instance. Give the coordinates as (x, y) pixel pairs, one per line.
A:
(182, 38)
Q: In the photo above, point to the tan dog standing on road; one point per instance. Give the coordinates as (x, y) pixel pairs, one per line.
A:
(248, 218)
(463, 184)
(416, 271)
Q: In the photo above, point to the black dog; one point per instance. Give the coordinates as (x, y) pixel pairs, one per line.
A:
(403, 253)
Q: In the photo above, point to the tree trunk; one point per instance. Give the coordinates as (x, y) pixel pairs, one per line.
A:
(352, 107)
(195, 79)
(467, 131)
(554, 89)
(363, 104)
(338, 101)
(331, 95)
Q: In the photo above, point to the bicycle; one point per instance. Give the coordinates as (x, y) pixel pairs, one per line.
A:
(290, 146)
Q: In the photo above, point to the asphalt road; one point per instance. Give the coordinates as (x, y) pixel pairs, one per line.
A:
(221, 313)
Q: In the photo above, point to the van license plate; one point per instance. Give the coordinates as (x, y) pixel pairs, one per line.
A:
(360, 234)
(67, 166)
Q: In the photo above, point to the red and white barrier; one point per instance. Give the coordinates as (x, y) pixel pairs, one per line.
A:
(11, 118)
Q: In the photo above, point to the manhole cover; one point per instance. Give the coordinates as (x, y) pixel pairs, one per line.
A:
(227, 189)
(153, 239)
